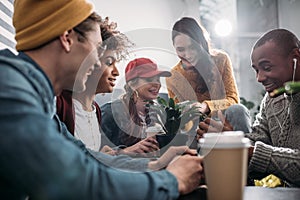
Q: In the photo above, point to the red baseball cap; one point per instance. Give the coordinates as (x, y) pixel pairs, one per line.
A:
(144, 68)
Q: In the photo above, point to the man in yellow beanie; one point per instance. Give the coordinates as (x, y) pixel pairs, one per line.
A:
(57, 43)
(52, 32)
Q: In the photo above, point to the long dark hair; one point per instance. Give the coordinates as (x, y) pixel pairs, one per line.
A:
(130, 99)
(207, 71)
(135, 126)
(194, 30)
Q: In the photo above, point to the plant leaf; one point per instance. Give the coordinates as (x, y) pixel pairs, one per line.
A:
(162, 101)
(171, 103)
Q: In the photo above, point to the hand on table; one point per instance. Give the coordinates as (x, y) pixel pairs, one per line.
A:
(144, 146)
(210, 125)
(169, 155)
(202, 107)
(106, 149)
(250, 153)
(188, 171)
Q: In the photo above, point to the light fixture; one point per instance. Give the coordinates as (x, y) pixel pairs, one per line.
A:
(223, 28)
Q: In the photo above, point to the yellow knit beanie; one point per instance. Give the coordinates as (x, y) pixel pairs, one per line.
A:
(37, 22)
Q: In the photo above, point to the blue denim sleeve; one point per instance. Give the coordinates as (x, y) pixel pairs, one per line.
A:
(120, 162)
(39, 162)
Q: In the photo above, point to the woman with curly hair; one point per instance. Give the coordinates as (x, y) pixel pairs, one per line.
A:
(79, 111)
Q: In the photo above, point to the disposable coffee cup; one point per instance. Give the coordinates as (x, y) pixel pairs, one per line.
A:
(154, 130)
(225, 164)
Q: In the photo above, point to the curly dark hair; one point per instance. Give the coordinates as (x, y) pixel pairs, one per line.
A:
(114, 39)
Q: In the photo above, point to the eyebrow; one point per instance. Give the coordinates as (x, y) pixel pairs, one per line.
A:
(263, 62)
(111, 57)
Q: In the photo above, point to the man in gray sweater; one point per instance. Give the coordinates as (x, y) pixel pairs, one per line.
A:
(275, 133)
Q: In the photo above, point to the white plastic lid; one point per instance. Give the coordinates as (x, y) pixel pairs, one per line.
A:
(229, 139)
(155, 129)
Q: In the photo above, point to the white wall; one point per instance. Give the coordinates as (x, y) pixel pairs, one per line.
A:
(289, 15)
(7, 32)
(135, 14)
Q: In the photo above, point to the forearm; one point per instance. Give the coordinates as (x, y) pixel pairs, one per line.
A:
(221, 104)
(229, 88)
(122, 161)
(282, 162)
(59, 165)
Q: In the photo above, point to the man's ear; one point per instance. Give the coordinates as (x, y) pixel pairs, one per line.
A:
(66, 40)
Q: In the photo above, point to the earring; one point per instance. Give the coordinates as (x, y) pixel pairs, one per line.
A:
(134, 96)
(136, 93)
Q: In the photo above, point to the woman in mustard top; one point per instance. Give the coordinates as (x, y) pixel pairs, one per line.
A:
(204, 74)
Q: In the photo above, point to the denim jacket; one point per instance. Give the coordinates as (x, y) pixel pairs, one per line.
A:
(39, 161)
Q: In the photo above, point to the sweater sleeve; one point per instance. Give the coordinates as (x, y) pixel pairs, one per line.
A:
(122, 161)
(282, 162)
(231, 92)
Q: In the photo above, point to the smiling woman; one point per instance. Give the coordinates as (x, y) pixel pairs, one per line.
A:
(125, 120)
(78, 110)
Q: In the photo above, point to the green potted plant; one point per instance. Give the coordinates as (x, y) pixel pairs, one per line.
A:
(173, 117)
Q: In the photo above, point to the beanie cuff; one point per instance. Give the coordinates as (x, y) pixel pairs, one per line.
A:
(48, 20)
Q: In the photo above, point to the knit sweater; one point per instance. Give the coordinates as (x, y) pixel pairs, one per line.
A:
(277, 139)
(188, 85)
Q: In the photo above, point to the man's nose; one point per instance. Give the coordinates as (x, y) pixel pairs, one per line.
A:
(156, 83)
(260, 76)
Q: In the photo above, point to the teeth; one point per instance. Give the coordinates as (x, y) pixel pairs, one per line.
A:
(268, 85)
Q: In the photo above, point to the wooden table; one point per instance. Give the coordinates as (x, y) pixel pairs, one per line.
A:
(253, 193)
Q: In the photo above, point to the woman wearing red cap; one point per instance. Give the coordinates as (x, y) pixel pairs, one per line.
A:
(124, 120)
